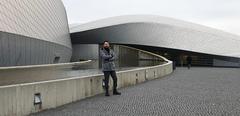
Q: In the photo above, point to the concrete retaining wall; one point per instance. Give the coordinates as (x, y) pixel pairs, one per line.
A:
(18, 100)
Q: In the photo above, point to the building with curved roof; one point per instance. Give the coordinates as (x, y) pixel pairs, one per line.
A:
(33, 32)
(218, 48)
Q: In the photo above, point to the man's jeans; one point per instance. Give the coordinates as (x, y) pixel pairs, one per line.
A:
(106, 79)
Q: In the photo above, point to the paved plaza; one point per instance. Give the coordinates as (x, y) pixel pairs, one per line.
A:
(199, 91)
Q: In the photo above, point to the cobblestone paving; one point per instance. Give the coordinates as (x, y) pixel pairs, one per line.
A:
(199, 91)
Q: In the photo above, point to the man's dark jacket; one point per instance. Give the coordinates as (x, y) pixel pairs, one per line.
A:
(107, 60)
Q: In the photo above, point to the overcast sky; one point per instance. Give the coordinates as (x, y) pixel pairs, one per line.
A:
(220, 14)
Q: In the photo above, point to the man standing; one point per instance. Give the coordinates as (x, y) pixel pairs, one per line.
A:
(108, 67)
(189, 61)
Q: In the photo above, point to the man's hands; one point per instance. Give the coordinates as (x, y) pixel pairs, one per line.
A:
(110, 59)
(111, 55)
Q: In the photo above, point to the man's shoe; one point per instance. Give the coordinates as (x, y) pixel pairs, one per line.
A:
(107, 94)
(116, 93)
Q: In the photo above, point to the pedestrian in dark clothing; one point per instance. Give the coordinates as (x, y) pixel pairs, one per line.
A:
(189, 61)
(108, 68)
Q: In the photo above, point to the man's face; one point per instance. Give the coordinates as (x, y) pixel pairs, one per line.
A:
(106, 45)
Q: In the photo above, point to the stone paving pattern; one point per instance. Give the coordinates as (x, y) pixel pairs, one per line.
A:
(194, 92)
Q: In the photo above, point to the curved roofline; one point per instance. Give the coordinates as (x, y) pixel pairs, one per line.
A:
(207, 40)
(118, 20)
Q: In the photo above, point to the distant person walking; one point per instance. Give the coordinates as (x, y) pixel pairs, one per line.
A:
(108, 68)
(189, 61)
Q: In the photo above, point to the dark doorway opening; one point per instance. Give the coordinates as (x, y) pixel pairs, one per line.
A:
(56, 59)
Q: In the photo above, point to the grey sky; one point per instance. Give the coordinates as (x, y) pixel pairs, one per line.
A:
(220, 14)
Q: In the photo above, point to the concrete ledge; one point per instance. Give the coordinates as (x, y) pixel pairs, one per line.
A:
(18, 100)
(44, 65)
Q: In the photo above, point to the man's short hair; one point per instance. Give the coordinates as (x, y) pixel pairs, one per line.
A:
(105, 41)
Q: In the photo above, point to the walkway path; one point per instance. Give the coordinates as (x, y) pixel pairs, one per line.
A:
(199, 91)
